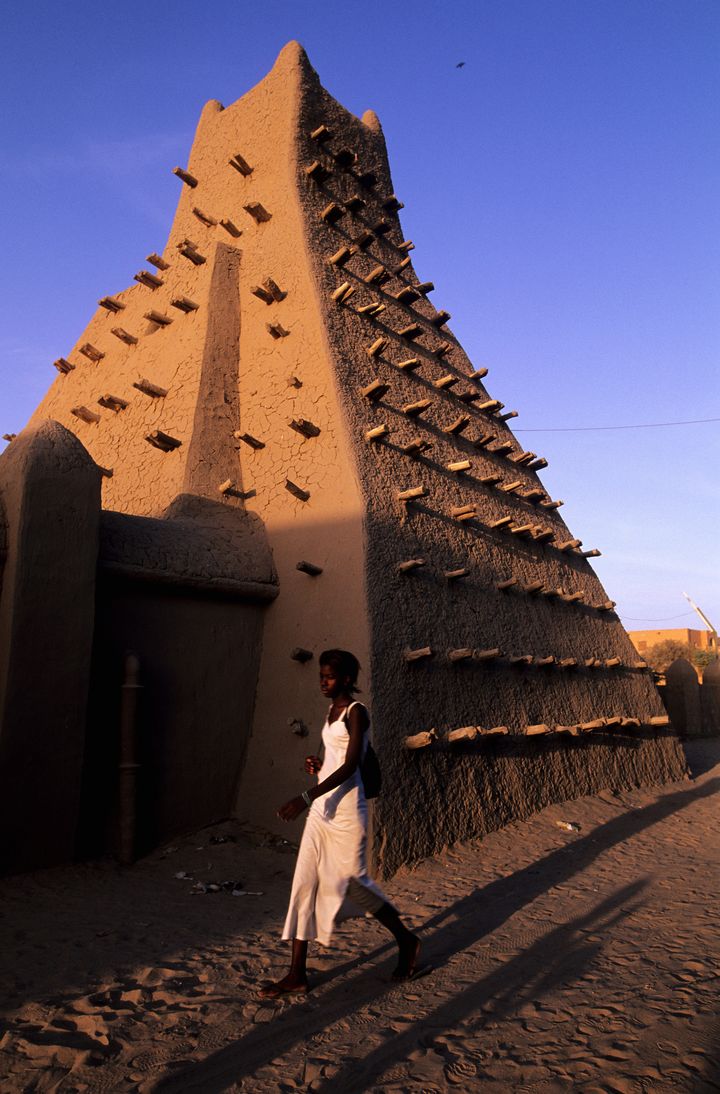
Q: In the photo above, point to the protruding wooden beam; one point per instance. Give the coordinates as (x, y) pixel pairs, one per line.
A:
(124, 336)
(297, 491)
(639, 666)
(241, 165)
(443, 349)
(204, 218)
(411, 332)
(572, 598)
(163, 441)
(521, 530)
(440, 318)
(459, 466)
(630, 723)
(318, 172)
(455, 575)
(258, 212)
(85, 414)
(309, 568)
(412, 493)
(409, 565)
(231, 228)
(511, 487)
(382, 227)
(520, 659)
(363, 240)
(304, 427)
(150, 389)
(377, 276)
(277, 330)
(301, 655)
(377, 347)
(569, 544)
(150, 280)
(157, 261)
(588, 727)
(274, 289)
(392, 204)
(501, 522)
(537, 730)
(506, 584)
(340, 257)
(111, 304)
(332, 213)
(410, 365)
(262, 293)
(418, 654)
(248, 439)
(425, 287)
(458, 425)
(490, 405)
(113, 402)
(607, 606)
(421, 740)
(464, 733)
(185, 177)
(447, 381)
(63, 366)
(414, 410)
(659, 720)
(183, 303)
(407, 295)
(612, 662)
(91, 352)
(464, 653)
(533, 587)
(533, 495)
(544, 535)
(502, 449)
(488, 654)
(189, 250)
(551, 504)
(406, 245)
(375, 391)
(484, 440)
(463, 513)
(342, 293)
(354, 203)
(372, 309)
(507, 415)
(594, 553)
(320, 135)
(567, 663)
(538, 464)
(416, 446)
(520, 457)
(377, 433)
(501, 731)
(158, 317)
(544, 662)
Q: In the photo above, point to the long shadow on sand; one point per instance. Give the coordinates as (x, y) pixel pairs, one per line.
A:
(547, 961)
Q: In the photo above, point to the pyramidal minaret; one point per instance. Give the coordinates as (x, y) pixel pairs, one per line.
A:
(280, 355)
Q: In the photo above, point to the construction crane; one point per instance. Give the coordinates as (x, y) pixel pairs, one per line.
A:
(705, 620)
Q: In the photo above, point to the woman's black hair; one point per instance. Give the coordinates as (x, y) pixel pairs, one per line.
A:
(345, 664)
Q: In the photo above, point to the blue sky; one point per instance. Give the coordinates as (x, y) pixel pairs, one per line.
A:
(561, 188)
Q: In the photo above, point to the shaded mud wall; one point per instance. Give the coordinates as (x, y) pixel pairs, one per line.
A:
(526, 589)
(50, 491)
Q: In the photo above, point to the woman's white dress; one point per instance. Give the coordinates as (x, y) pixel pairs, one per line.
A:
(333, 848)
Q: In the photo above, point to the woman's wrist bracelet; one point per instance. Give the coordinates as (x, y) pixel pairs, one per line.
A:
(306, 798)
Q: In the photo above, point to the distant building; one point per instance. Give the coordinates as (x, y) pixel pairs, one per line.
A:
(643, 641)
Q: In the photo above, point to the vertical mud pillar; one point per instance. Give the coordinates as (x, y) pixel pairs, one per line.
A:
(50, 491)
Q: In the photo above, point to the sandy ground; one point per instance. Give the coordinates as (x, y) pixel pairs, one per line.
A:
(563, 961)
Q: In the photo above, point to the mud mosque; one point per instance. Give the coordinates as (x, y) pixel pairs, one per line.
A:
(268, 444)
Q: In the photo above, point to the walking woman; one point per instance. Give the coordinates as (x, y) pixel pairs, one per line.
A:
(331, 862)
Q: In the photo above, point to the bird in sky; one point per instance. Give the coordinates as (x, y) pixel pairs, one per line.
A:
(460, 64)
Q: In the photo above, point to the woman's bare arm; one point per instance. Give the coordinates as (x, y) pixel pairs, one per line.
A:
(357, 723)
